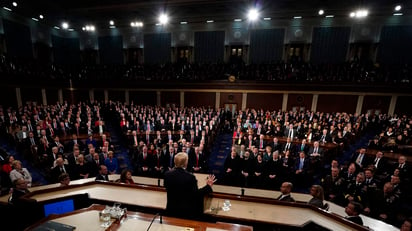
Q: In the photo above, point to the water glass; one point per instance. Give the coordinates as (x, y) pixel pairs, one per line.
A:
(106, 217)
(226, 205)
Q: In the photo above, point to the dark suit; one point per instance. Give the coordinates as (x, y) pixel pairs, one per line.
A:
(355, 219)
(102, 177)
(184, 199)
(287, 198)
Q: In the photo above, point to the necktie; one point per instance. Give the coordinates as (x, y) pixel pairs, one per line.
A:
(290, 133)
(359, 159)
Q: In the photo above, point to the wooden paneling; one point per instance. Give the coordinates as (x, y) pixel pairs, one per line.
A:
(299, 101)
(170, 97)
(99, 95)
(117, 96)
(200, 99)
(231, 98)
(265, 101)
(142, 97)
(337, 103)
(376, 102)
(31, 94)
(11, 100)
(75, 96)
(403, 105)
(52, 96)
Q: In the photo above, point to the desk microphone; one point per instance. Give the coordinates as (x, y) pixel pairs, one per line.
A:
(161, 220)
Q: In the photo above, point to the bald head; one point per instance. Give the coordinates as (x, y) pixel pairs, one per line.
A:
(181, 160)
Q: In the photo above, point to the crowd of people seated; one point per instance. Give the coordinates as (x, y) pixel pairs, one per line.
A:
(156, 134)
(269, 148)
(380, 186)
(296, 71)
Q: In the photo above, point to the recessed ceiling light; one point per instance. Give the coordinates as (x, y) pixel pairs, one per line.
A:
(321, 12)
(398, 8)
(237, 20)
(329, 16)
(267, 19)
(112, 27)
(111, 22)
(183, 23)
(209, 21)
(6, 8)
(65, 25)
(397, 14)
(253, 14)
(35, 19)
(14, 4)
(297, 17)
(163, 19)
(41, 16)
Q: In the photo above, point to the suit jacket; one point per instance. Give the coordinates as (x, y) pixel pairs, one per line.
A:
(102, 177)
(355, 219)
(287, 198)
(184, 198)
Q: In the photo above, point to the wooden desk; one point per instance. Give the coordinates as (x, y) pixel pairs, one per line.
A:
(391, 156)
(155, 199)
(88, 219)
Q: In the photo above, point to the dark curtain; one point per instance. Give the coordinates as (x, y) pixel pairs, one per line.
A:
(209, 46)
(266, 46)
(18, 39)
(395, 45)
(111, 50)
(66, 50)
(329, 44)
(157, 48)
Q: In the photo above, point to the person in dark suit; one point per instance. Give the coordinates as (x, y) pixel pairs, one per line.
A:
(285, 189)
(102, 175)
(184, 198)
(353, 209)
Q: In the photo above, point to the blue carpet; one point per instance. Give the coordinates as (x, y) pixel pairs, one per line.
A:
(220, 150)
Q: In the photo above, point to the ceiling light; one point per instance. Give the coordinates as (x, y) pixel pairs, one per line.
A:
(183, 23)
(397, 14)
(253, 14)
(136, 24)
(163, 19)
(56, 27)
(65, 25)
(209, 21)
(111, 22)
(35, 19)
(112, 27)
(71, 29)
(237, 20)
(41, 16)
(352, 14)
(297, 17)
(361, 13)
(398, 8)
(14, 4)
(267, 19)
(6, 8)
(321, 12)
(329, 16)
